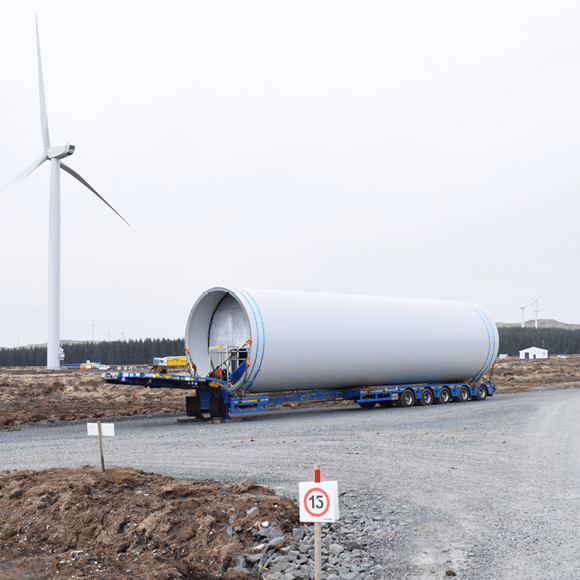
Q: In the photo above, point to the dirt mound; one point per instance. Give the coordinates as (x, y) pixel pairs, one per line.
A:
(123, 523)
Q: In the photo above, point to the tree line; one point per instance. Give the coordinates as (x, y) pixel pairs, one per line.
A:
(116, 352)
(512, 339)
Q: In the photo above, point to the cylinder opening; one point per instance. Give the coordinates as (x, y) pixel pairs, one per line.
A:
(218, 336)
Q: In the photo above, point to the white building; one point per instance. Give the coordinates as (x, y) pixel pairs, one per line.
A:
(534, 352)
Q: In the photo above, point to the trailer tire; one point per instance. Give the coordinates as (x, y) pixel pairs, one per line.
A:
(481, 393)
(463, 395)
(367, 404)
(444, 396)
(426, 398)
(407, 398)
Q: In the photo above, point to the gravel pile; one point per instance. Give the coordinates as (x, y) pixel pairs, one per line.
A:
(351, 548)
(344, 553)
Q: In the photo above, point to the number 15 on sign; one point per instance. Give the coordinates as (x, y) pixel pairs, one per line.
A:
(318, 501)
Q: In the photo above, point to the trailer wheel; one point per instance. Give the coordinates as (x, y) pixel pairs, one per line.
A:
(426, 398)
(444, 396)
(367, 404)
(407, 398)
(481, 393)
(463, 395)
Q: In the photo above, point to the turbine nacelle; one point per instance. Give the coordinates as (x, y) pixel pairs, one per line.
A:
(60, 152)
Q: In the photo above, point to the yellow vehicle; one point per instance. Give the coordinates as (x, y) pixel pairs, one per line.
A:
(162, 365)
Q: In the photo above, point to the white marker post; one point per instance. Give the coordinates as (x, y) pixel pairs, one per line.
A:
(106, 429)
(318, 503)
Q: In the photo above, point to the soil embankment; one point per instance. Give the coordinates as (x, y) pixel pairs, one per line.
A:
(123, 523)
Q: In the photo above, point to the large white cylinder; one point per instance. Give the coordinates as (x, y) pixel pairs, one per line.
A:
(307, 340)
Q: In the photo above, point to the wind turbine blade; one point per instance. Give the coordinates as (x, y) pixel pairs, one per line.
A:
(26, 172)
(43, 115)
(77, 176)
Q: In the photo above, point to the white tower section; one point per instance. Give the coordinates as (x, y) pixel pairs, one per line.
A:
(302, 340)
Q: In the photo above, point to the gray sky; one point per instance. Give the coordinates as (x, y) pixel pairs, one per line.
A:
(419, 149)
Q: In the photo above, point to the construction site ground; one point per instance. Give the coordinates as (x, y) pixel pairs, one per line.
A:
(123, 523)
(33, 394)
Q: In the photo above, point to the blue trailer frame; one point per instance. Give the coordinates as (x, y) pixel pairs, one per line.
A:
(211, 395)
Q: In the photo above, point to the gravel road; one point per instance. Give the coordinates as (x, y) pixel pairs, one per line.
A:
(487, 490)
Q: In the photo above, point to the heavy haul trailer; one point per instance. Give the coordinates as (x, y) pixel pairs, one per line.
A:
(249, 349)
(212, 397)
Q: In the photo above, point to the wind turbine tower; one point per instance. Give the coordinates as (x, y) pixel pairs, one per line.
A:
(522, 307)
(536, 309)
(54, 154)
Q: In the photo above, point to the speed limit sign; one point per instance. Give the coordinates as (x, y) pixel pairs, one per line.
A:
(318, 501)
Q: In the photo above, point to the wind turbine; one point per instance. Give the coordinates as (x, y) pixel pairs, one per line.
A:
(536, 313)
(536, 309)
(54, 154)
(522, 309)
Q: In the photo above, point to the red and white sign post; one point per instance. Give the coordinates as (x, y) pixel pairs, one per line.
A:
(318, 503)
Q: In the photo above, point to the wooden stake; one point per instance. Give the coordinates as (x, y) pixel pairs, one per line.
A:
(101, 445)
(317, 563)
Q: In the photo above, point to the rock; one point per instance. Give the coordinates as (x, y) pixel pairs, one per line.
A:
(252, 511)
(265, 532)
(275, 534)
(298, 533)
(276, 542)
(279, 566)
(350, 576)
(240, 561)
(335, 549)
(233, 519)
(258, 547)
(229, 532)
(450, 573)
(265, 524)
(224, 567)
(353, 545)
(253, 558)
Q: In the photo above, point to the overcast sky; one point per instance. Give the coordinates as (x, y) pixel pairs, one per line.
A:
(417, 149)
